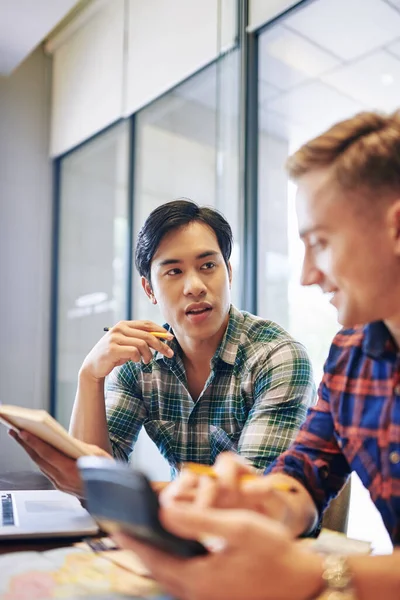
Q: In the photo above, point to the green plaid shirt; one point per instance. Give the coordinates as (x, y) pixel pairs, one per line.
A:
(253, 402)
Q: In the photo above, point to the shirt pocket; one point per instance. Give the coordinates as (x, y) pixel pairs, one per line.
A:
(163, 435)
(222, 441)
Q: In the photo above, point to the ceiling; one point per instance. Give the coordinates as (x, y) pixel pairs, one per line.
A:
(24, 24)
(325, 62)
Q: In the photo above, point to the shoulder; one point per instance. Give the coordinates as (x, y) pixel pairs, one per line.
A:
(346, 344)
(266, 334)
(266, 345)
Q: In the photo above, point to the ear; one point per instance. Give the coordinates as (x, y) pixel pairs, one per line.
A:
(394, 225)
(148, 290)
(230, 273)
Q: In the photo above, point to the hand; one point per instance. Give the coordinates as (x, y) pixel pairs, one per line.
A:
(59, 468)
(229, 490)
(127, 340)
(259, 561)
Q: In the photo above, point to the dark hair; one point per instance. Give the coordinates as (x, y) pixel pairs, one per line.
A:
(174, 215)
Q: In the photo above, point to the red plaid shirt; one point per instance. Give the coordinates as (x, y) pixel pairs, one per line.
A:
(355, 425)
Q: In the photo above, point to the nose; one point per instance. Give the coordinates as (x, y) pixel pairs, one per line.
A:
(310, 274)
(194, 285)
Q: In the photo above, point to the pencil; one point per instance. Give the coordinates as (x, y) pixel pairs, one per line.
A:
(158, 334)
(210, 472)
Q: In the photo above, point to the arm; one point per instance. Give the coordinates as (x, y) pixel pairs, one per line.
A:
(283, 390)
(314, 464)
(315, 459)
(88, 420)
(127, 341)
(258, 561)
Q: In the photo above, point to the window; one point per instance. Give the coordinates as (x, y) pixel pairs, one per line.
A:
(321, 63)
(187, 146)
(92, 255)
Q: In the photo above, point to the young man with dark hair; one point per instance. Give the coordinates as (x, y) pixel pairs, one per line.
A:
(348, 207)
(223, 379)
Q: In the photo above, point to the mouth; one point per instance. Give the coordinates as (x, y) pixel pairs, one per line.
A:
(198, 308)
(198, 311)
(331, 295)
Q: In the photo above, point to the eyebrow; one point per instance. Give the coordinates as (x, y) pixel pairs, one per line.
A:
(305, 232)
(177, 261)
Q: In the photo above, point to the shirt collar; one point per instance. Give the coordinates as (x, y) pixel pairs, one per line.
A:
(228, 348)
(378, 341)
(226, 351)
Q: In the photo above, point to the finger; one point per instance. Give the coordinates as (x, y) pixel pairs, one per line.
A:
(54, 463)
(32, 454)
(127, 329)
(230, 467)
(143, 325)
(207, 493)
(233, 525)
(96, 451)
(146, 326)
(44, 450)
(135, 348)
(62, 472)
(184, 488)
(165, 568)
(43, 465)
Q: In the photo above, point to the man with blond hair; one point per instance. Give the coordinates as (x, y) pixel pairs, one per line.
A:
(348, 207)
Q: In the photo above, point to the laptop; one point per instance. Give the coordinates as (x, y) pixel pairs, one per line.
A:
(43, 514)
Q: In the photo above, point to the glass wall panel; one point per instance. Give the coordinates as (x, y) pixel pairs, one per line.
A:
(93, 253)
(321, 63)
(187, 146)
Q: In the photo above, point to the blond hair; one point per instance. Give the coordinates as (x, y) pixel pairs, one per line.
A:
(363, 152)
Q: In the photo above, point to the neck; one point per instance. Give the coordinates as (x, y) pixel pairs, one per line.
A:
(198, 353)
(394, 327)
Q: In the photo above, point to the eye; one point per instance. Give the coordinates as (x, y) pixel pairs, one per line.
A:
(173, 272)
(317, 245)
(208, 265)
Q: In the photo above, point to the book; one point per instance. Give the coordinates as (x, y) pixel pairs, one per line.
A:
(40, 423)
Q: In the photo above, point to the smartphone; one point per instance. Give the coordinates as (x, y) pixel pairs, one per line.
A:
(121, 498)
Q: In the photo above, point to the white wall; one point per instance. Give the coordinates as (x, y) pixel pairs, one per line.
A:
(25, 243)
(118, 55)
(262, 11)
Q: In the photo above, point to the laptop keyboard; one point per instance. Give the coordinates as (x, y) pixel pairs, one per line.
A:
(7, 510)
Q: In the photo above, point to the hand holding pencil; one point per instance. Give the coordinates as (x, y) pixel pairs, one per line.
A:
(231, 483)
(134, 341)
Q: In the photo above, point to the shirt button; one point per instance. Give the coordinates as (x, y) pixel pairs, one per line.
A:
(397, 390)
(394, 458)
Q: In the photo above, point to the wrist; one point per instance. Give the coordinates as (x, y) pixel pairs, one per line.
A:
(336, 579)
(85, 376)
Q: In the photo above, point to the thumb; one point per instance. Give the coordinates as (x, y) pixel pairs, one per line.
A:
(97, 451)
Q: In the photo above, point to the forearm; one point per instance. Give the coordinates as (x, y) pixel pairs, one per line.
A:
(88, 419)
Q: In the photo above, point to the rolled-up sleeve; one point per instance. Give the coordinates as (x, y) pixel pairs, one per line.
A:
(125, 410)
(283, 392)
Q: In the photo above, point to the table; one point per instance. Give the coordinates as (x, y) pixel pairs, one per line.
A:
(29, 480)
